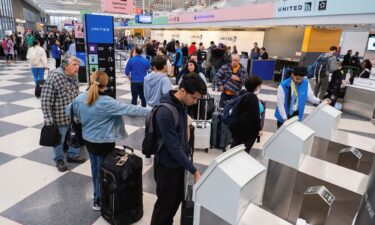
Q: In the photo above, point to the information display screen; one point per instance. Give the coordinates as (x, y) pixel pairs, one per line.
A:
(371, 43)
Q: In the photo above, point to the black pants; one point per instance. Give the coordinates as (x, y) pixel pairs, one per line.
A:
(176, 73)
(57, 63)
(137, 90)
(248, 143)
(170, 192)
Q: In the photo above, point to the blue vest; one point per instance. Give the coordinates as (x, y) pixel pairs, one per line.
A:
(302, 90)
(179, 62)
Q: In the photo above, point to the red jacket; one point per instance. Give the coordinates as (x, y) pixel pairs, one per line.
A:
(192, 49)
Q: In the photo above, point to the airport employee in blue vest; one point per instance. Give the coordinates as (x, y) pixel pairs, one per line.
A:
(292, 95)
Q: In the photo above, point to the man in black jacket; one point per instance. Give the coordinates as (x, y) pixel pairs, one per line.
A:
(172, 159)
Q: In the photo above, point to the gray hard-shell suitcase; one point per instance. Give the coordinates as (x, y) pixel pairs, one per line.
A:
(202, 130)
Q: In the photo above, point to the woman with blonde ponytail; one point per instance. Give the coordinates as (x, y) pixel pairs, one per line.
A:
(102, 123)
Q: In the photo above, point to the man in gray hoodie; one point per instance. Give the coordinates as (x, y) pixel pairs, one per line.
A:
(157, 83)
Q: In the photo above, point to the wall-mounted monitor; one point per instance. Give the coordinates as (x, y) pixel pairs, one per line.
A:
(143, 19)
(371, 43)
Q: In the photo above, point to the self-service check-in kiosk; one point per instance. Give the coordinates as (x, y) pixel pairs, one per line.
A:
(316, 204)
(230, 191)
(366, 212)
(283, 154)
(324, 120)
(227, 187)
(291, 171)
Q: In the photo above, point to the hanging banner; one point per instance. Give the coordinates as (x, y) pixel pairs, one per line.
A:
(118, 6)
(100, 48)
(246, 12)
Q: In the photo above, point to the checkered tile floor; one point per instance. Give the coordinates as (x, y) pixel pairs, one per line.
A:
(32, 191)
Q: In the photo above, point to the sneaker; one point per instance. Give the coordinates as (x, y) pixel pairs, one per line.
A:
(96, 207)
(148, 161)
(60, 164)
(75, 159)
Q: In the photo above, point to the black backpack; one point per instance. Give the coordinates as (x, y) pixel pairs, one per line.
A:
(150, 143)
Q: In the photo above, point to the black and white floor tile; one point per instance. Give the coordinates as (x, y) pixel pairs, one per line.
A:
(33, 192)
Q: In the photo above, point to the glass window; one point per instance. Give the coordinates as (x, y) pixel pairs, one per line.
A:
(6, 6)
(2, 8)
(10, 8)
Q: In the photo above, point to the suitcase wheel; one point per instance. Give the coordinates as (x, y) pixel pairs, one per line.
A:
(206, 150)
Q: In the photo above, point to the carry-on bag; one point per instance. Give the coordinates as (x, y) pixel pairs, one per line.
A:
(121, 191)
(202, 130)
(39, 86)
(215, 128)
(187, 206)
(207, 108)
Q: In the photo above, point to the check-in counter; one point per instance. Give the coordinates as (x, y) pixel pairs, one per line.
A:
(360, 98)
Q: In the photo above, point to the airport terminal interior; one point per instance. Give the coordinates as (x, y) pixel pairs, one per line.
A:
(316, 168)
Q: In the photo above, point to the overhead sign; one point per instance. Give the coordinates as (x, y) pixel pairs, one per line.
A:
(246, 12)
(99, 29)
(298, 8)
(118, 6)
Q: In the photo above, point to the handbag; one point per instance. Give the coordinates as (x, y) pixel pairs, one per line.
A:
(74, 135)
(50, 136)
(206, 106)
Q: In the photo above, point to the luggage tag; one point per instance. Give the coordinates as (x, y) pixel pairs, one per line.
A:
(122, 160)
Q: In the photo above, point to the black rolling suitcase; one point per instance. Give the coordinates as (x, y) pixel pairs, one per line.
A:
(215, 127)
(121, 187)
(39, 86)
(187, 206)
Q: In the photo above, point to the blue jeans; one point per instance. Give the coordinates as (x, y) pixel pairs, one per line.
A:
(96, 161)
(59, 150)
(38, 73)
(137, 89)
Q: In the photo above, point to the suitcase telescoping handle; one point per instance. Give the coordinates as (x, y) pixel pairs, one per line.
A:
(127, 147)
(122, 152)
(205, 106)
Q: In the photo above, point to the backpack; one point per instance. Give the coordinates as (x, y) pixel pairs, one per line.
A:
(321, 66)
(310, 70)
(150, 143)
(4, 45)
(230, 111)
(34, 59)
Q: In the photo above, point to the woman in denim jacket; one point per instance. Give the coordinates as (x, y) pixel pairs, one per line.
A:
(102, 124)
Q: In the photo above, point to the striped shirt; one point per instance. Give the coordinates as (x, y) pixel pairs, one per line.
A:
(223, 78)
(58, 91)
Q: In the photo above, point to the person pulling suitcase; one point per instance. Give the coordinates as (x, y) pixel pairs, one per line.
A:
(99, 137)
